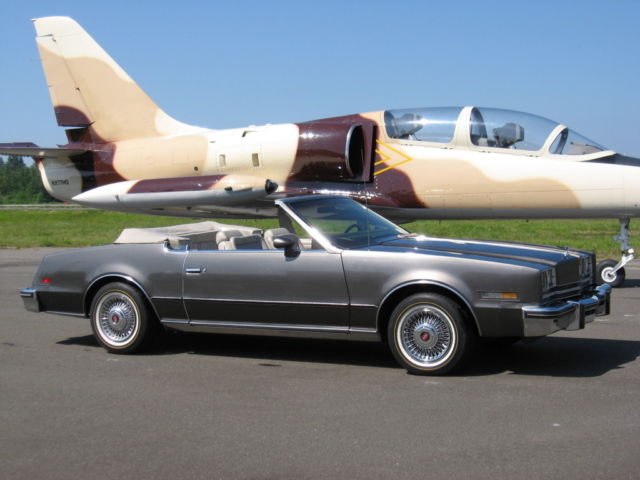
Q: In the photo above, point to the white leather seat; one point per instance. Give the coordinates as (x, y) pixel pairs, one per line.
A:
(248, 242)
(223, 239)
(203, 241)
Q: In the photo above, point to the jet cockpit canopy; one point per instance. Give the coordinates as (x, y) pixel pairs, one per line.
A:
(487, 128)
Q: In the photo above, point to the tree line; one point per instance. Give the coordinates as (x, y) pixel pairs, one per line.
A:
(20, 183)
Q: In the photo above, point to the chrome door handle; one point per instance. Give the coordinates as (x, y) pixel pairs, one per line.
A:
(194, 270)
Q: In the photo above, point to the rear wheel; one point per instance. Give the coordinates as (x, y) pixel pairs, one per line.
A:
(428, 335)
(120, 319)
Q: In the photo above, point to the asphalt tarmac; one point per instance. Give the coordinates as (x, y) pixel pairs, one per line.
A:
(232, 407)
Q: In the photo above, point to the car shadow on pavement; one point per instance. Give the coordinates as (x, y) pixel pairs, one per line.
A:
(549, 356)
(267, 350)
(84, 341)
(554, 356)
(273, 349)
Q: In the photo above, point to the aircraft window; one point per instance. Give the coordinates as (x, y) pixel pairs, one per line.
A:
(491, 127)
(422, 124)
(569, 142)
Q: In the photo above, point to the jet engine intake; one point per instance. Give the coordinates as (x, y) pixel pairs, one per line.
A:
(331, 152)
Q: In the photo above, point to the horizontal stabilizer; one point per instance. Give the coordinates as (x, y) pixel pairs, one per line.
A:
(223, 190)
(33, 150)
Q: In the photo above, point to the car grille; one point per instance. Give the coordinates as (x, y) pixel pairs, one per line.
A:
(572, 281)
(568, 292)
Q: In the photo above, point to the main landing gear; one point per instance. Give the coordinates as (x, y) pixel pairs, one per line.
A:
(612, 272)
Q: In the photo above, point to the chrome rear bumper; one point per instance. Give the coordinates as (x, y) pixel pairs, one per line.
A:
(569, 315)
(30, 299)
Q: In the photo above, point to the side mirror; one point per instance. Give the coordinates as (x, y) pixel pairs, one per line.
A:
(289, 243)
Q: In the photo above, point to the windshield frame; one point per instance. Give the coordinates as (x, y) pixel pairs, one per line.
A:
(345, 241)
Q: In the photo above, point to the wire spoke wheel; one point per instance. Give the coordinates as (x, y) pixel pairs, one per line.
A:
(427, 334)
(119, 318)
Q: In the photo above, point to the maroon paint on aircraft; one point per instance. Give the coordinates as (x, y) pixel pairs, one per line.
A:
(70, 117)
(338, 153)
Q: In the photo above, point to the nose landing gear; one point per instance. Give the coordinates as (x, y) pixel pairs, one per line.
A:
(612, 272)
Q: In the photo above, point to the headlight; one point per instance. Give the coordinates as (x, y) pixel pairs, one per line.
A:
(548, 279)
(585, 267)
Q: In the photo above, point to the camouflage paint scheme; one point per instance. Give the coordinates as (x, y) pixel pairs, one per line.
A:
(125, 153)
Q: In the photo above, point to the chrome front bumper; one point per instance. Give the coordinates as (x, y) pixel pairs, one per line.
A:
(569, 315)
(30, 299)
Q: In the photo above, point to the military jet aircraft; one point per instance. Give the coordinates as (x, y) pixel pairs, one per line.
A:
(124, 153)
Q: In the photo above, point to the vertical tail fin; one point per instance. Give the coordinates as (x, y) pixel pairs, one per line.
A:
(88, 88)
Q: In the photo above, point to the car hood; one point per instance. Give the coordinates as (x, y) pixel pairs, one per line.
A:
(540, 254)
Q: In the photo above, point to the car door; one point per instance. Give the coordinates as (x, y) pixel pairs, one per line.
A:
(265, 288)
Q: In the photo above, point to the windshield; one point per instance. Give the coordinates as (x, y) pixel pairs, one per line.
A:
(436, 124)
(569, 142)
(346, 223)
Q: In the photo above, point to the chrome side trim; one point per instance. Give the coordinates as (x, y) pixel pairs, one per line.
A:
(270, 326)
(364, 330)
(279, 330)
(66, 314)
(363, 305)
(173, 321)
(427, 283)
(265, 302)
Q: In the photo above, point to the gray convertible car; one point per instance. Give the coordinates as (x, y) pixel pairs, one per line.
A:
(333, 270)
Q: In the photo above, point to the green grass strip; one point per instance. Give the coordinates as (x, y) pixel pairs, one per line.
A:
(79, 228)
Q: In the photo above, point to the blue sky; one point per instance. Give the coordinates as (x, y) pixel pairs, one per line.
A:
(232, 64)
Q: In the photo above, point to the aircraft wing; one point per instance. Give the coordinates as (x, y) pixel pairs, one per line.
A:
(25, 149)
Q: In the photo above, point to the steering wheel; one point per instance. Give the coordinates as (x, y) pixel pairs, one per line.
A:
(351, 227)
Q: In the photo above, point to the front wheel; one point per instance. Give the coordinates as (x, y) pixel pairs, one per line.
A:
(428, 335)
(605, 273)
(119, 318)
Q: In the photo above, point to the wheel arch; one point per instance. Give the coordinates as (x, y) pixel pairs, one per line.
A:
(105, 279)
(401, 292)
